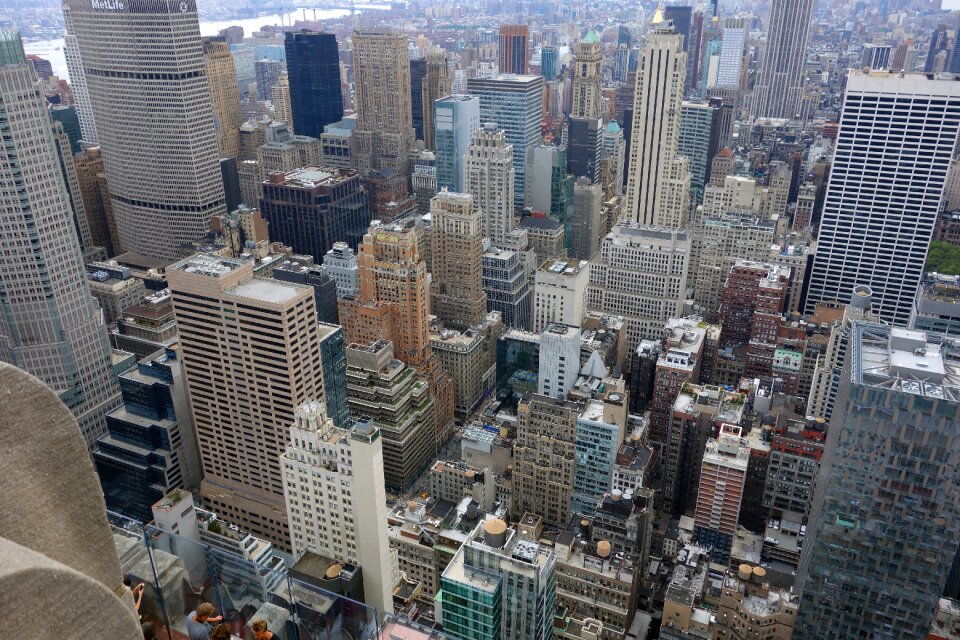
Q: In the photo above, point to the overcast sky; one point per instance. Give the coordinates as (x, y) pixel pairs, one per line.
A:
(951, 4)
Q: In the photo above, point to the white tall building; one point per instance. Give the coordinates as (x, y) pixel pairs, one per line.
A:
(779, 84)
(560, 292)
(488, 174)
(78, 84)
(49, 323)
(146, 77)
(340, 263)
(335, 497)
(879, 214)
(559, 360)
(658, 185)
(730, 65)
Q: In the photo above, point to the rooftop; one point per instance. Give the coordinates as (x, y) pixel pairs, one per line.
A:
(904, 360)
(563, 266)
(267, 290)
(209, 265)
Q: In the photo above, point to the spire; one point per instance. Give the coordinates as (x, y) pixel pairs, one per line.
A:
(658, 16)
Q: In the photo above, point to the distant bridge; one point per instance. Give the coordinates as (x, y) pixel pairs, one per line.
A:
(327, 5)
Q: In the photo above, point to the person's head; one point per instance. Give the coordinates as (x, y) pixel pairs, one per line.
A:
(149, 632)
(127, 581)
(205, 610)
(221, 632)
(259, 629)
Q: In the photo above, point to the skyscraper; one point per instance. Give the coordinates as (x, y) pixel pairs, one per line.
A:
(456, 238)
(50, 324)
(549, 62)
(730, 63)
(418, 71)
(780, 80)
(658, 181)
(280, 97)
(939, 41)
(245, 388)
(436, 84)
(885, 521)
(488, 176)
(515, 104)
(333, 485)
(313, 70)
(699, 141)
(147, 81)
(682, 19)
(384, 133)
(723, 475)
(456, 118)
(587, 76)
(514, 52)
(222, 79)
(878, 219)
(78, 82)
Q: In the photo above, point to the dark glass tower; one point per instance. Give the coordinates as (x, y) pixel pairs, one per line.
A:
(313, 68)
(418, 71)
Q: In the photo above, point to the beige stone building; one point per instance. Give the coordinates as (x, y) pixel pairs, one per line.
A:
(750, 608)
(470, 359)
(222, 78)
(456, 237)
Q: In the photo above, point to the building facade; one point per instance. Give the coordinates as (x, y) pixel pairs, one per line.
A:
(456, 118)
(313, 72)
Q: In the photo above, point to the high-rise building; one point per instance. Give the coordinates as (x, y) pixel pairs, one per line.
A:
(222, 79)
(699, 141)
(341, 263)
(268, 73)
(559, 362)
(953, 65)
(587, 76)
(418, 71)
(640, 273)
(310, 209)
(513, 56)
(544, 457)
(456, 238)
(282, 105)
(470, 358)
(489, 177)
(888, 475)
(612, 157)
(723, 474)
(423, 180)
(730, 63)
(587, 226)
(391, 394)
(779, 85)
(66, 115)
(877, 56)
(682, 356)
(78, 84)
(436, 84)
(658, 181)
(549, 62)
(51, 325)
(456, 119)
(334, 361)
(600, 431)
(313, 70)
(584, 147)
(381, 70)
(682, 19)
(334, 490)
(507, 285)
(147, 81)
(500, 585)
(882, 241)
(560, 292)
(245, 389)
(939, 42)
(515, 104)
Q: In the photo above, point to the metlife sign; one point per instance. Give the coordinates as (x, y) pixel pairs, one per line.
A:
(107, 5)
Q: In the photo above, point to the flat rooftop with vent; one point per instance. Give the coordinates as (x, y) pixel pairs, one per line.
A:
(906, 360)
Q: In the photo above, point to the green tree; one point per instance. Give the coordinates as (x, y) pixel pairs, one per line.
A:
(944, 258)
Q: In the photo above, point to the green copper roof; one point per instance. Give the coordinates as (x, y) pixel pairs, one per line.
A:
(613, 127)
(590, 38)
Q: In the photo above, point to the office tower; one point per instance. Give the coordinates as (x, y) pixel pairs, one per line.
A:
(514, 103)
(456, 118)
(658, 180)
(423, 180)
(549, 62)
(456, 239)
(222, 79)
(953, 64)
(150, 447)
(68, 170)
(146, 76)
(549, 187)
(587, 76)
(751, 308)
(559, 360)
(898, 401)
(470, 358)
(78, 82)
(334, 361)
(560, 292)
(51, 325)
(507, 285)
(513, 56)
(499, 585)
(939, 42)
(145, 328)
(268, 73)
(418, 71)
(282, 105)
(586, 226)
(601, 428)
(584, 147)
(381, 71)
(779, 85)
(723, 474)
(544, 457)
(683, 352)
(66, 115)
(310, 209)
(313, 70)
(694, 47)
(488, 175)
(698, 141)
(436, 85)
(341, 263)
(243, 411)
(682, 19)
(730, 63)
(882, 242)
(796, 449)
(877, 56)
(114, 288)
(305, 272)
(392, 304)
(333, 488)
(640, 273)
(391, 394)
